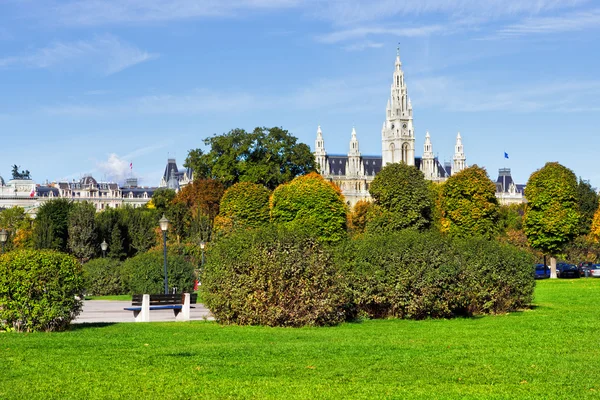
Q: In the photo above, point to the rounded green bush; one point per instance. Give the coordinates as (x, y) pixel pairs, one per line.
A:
(273, 277)
(40, 290)
(103, 276)
(145, 273)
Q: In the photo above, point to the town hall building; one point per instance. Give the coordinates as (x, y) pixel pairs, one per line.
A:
(353, 172)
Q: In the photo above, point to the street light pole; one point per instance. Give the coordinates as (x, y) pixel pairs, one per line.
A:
(164, 225)
(202, 244)
(3, 237)
(104, 246)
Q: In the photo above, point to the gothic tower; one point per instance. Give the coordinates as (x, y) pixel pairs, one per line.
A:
(398, 134)
(320, 153)
(459, 156)
(428, 160)
(354, 166)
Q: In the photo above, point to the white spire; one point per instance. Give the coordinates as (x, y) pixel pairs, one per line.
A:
(428, 162)
(354, 144)
(459, 159)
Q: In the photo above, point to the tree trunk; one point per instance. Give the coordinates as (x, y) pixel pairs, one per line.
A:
(552, 268)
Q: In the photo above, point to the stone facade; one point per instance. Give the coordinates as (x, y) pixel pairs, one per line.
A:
(353, 172)
(507, 191)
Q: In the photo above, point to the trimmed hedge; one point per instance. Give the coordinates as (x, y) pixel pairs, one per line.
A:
(273, 277)
(145, 273)
(40, 290)
(424, 275)
(103, 276)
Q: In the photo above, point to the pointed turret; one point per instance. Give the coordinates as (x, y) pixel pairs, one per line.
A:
(459, 159)
(320, 153)
(354, 165)
(428, 161)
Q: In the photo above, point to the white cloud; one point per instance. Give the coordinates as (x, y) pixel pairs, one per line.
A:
(364, 45)
(362, 32)
(97, 12)
(455, 95)
(107, 53)
(115, 168)
(571, 22)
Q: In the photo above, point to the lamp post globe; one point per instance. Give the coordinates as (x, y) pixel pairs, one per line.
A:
(202, 244)
(3, 237)
(104, 246)
(164, 226)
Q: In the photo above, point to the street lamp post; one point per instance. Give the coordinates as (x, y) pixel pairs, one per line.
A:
(104, 246)
(202, 244)
(3, 237)
(164, 225)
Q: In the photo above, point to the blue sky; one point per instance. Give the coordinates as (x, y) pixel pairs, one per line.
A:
(90, 86)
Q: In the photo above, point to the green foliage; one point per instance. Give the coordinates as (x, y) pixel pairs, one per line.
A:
(402, 194)
(274, 278)
(245, 204)
(103, 276)
(162, 198)
(582, 248)
(141, 224)
(82, 230)
(145, 273)
(15, 221)
(267, 156)
(469, 206)
(587, 200)
(51, 226)
(552, 214)
(39, 290)
(425, 275)
(359, 217)
(116, 250)
(310, 204)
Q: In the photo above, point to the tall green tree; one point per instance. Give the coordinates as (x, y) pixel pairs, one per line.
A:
(51, 226)
(142, 225)
(552, 216)
(244, 205)
(266, 156)
(469, 206)
(587, 199)
(15, 220)
(82, 231)
(401, 193)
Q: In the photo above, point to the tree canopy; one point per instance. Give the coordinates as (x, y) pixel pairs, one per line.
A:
(310, 204)
(552, 213)
(244, 204)
(469, 206)
(402, 194)
(587, 199)
(266, 156)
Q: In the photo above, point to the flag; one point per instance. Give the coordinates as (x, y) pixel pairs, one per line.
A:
(32, 192)
(505, 155)
(131, 165)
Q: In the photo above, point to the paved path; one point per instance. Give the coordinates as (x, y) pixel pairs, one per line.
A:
(95, 311)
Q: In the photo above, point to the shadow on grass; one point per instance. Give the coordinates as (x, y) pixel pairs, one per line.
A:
(87, 325)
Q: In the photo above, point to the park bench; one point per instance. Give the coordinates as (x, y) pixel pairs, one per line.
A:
(142, 304)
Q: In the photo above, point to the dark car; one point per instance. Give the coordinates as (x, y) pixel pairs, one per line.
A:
(584, 268)
(567, 271)
(542, 271)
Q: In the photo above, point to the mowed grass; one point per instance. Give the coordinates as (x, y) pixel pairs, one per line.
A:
(551, 351)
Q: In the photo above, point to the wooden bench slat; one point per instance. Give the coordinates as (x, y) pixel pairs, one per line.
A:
(163, 299)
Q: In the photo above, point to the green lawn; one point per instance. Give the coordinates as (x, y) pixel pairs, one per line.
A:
(123, 297)
(551, 351)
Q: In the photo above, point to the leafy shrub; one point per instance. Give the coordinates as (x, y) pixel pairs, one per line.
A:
(403, 196)
(144, 273)
(310, 204)
(273, 277)
(498, 277)
(103, 276)
(39, 290)
(469, 205)
(424, 275)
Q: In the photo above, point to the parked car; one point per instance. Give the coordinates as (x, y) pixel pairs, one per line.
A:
(584, 268)
(542, 271)
(595, 271)
(567, 271)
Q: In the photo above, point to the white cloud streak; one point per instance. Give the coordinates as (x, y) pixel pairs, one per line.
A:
(362, 32)
(571, 22)
(107, 53)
